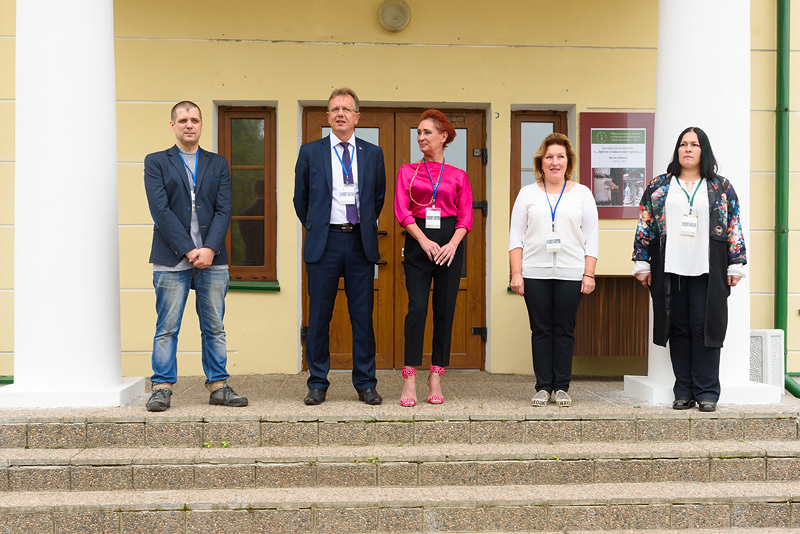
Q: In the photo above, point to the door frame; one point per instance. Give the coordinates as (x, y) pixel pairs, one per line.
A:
(478, 262)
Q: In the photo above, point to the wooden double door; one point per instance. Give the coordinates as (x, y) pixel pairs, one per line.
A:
(395, 132)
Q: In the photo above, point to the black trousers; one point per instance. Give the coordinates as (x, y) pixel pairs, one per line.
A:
(696, 366)
(420, 273)
(552, 308)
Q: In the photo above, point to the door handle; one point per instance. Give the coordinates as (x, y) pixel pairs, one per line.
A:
(381, 262)
(382, 232)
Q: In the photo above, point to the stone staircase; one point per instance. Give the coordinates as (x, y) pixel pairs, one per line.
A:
(485, 461)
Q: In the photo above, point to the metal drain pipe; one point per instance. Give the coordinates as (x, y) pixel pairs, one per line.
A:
(782, 184)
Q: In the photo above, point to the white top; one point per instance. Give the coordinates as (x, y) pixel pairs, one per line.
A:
(686, 255)
(575, 221)
(338, 210)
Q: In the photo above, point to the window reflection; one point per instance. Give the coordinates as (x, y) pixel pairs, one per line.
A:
(247, 243)
(247, 141)
(252, 231)
(531, 136)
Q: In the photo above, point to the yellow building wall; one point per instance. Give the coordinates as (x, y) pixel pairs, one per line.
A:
(516, 54)
(761, 248)
(7, 24)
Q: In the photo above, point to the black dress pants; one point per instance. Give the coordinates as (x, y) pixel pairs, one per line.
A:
(552, 308)
(420, 273)
(696, 366)
(343, 257)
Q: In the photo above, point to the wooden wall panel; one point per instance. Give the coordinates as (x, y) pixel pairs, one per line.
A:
(614, 319)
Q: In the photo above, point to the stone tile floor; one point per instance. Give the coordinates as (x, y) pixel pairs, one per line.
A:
(468, 394)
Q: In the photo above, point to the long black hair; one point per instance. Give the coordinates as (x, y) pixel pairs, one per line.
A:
(708, 163)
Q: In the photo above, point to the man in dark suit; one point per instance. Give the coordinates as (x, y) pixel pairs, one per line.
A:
(339, 188)
(189, 194)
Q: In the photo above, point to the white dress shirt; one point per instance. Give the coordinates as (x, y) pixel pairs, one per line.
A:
(338, 210)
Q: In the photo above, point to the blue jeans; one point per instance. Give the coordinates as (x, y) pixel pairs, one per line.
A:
(172, 289)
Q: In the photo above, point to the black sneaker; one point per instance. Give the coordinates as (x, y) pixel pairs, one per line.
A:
(159, 400)
(707, 406)
(225, 396)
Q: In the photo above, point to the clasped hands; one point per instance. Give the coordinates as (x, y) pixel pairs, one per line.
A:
(201, 257)
(437, 254)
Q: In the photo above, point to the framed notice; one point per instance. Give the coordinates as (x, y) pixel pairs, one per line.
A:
(616, 160)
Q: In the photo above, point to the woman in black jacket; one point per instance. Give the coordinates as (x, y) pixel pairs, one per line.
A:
(690, 274)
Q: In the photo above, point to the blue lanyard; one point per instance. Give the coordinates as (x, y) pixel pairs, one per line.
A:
(435, 185)
(347, 170)
(194, 174)
(552, 209)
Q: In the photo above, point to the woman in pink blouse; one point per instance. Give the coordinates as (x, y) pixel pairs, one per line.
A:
(433, 203)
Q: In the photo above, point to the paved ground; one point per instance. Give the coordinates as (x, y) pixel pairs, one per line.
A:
(467, 393)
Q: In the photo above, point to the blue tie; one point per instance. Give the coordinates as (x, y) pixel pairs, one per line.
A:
(352, 210)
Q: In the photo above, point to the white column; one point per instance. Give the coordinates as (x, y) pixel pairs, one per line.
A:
(703, 79)
(66, 244)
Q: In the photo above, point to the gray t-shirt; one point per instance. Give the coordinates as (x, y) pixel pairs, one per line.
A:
(190, 162)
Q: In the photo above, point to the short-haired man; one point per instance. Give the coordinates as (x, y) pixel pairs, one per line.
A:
(189, 194)
(339, 188)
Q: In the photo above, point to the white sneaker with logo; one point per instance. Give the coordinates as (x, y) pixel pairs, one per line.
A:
(561, 398)
(541, 398)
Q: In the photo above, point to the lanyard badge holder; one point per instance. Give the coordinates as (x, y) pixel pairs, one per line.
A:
(194, 174)
(347, 195)
(553, 238)
(433, 216)
(689, 220)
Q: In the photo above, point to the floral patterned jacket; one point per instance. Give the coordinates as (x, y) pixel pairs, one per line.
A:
(723, 221)
(726, 247)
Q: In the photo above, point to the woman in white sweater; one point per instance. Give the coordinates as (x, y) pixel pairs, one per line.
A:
(552, 247)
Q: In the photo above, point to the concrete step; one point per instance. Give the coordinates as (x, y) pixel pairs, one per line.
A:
(398, 465)
(559, 508)
(295, 428)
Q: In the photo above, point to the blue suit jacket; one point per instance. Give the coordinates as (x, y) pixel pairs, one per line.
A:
(169, 196)
(313, 194)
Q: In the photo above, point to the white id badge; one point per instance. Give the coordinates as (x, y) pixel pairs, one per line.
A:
(194, 208)
(553, 241)
(347, 195)
(689, 225)
(433, 218)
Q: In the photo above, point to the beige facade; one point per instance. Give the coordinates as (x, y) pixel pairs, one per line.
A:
(500, 57)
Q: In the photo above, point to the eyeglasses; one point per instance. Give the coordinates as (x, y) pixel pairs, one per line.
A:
(343, 109)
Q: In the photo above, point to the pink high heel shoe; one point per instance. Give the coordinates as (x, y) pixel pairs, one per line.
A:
(408, 371)
(435, 399)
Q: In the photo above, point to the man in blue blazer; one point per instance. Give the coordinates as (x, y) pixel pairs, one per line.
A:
(189, 194)
(339, 188)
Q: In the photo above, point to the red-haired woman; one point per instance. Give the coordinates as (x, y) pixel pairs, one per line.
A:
(433, 203)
